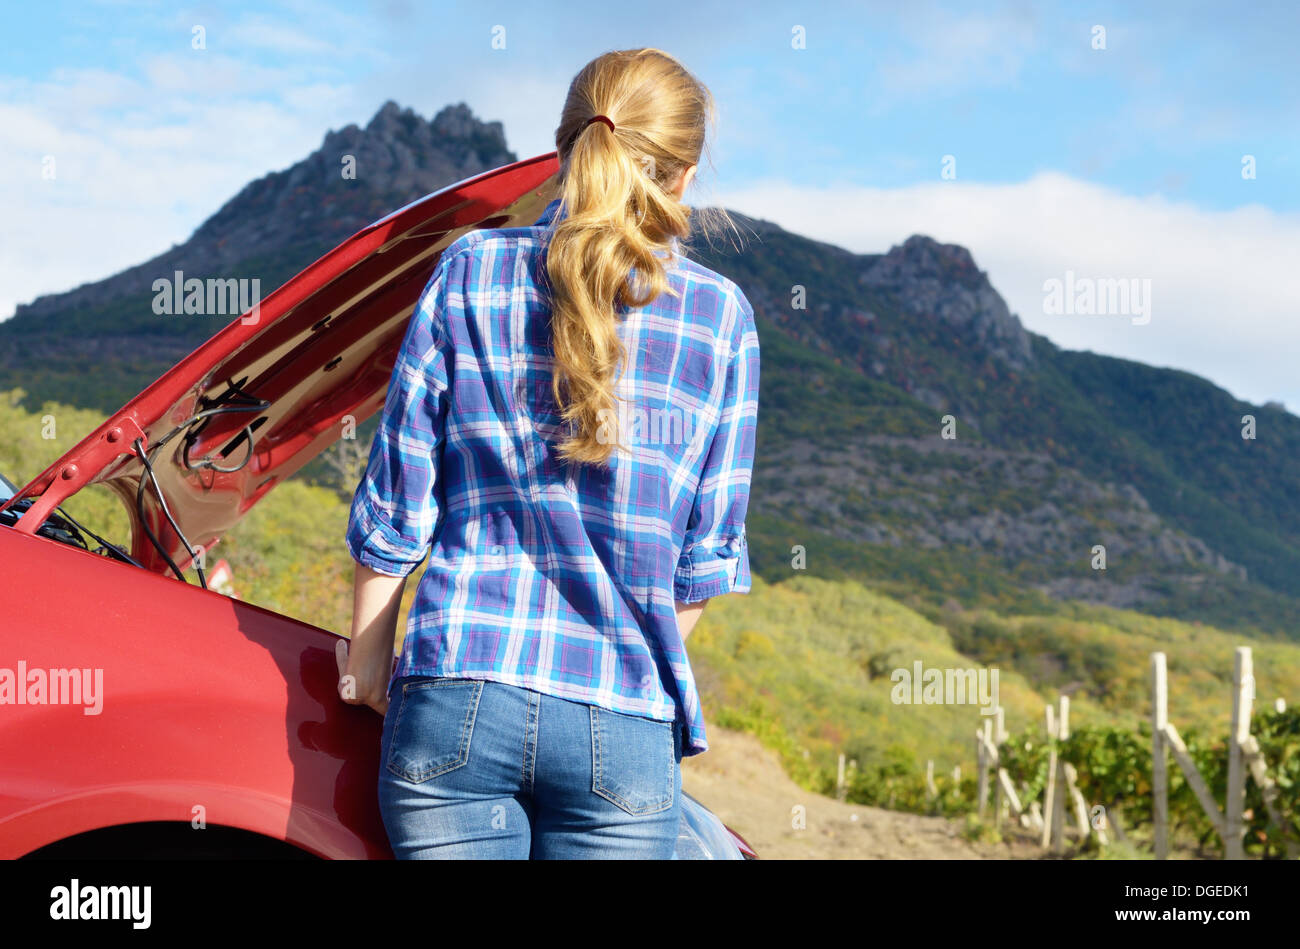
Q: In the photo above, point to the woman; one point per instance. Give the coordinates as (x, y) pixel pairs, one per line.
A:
(570, 428)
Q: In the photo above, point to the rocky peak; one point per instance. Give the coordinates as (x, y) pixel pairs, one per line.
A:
(387, 115)
(313, 205)
(931, 280)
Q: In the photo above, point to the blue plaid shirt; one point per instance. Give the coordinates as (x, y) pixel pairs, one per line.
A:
(557, 578)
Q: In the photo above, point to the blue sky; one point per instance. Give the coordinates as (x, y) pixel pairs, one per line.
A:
(1117, 162)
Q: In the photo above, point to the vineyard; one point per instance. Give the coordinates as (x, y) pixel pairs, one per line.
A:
(804, 666)
(1113, 770)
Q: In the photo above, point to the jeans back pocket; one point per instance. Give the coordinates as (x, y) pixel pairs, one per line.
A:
(633, 761)
(434, 726)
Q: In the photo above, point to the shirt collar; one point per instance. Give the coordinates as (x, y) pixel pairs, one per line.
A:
(552, 214)
(548, 215)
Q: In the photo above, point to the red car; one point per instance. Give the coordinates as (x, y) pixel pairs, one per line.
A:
(142, 715)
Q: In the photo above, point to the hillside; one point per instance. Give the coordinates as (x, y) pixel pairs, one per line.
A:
(1055, 452)
(742, 782)
(803, 666)
(804, 662)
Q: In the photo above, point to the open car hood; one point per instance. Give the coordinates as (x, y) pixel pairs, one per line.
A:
(284, 377)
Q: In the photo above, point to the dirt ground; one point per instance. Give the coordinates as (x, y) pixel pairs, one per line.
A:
(743, 783)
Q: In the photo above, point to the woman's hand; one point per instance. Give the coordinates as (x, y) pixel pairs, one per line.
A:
(362, 683)
(366, 663)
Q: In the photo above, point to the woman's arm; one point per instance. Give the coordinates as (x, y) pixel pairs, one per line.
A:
(398, 501)
(366, 666)
(688, 614)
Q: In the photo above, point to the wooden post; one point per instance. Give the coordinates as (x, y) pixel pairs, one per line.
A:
(1279, 705)
(994, 728)
(1243, 696)
(991, 753)
(1194, 780)
(1049, 794)
(931, 790)
(1058, 810)
(1081, 816)
(1159, 776)
(982, 764)
(1076, 799)
(999, 738)
(1013, 800)
(1267, 787)
(839, 780)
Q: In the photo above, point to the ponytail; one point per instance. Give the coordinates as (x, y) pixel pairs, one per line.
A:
(618, 217)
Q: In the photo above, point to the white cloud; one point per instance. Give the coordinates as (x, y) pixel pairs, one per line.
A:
(138, 166)
(1224, 285)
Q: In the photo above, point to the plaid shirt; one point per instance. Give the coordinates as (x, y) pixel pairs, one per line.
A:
(557, 578)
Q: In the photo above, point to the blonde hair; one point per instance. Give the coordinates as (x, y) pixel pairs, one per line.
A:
(619, 215)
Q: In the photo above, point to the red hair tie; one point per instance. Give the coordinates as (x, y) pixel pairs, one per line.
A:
(601, 118)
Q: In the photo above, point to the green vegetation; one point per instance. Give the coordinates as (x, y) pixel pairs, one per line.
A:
(807, 663)
(1173, 436)
(841, 378)
(31, 440)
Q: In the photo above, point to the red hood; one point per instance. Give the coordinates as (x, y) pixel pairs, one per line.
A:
(321, 348)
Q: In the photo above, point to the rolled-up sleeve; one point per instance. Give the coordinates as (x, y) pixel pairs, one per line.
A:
(396, 505)
(715, 554)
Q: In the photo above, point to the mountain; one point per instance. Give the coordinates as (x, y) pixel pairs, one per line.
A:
(269, 231)
(1056, 452)
(912, 433)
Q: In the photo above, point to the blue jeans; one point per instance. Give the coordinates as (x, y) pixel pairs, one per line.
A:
(472, 769)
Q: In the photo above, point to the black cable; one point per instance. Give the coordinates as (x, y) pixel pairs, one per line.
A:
(162, 502)
(72, 529)
(57, 526)
(117, 551)
(144, 522)
(257, 406)
(253, 405)
(247, 432)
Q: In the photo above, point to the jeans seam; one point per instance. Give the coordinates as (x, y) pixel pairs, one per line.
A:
(528, 772)
(523, 757)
